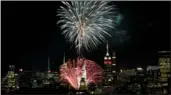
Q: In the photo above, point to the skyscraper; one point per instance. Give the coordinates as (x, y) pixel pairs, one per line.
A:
(164, 63)
(11, 78)
(108, 68)
(114, 66)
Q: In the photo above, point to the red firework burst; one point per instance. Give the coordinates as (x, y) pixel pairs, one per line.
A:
(72, 70)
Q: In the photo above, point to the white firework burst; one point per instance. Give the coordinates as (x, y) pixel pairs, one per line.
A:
(86, 23)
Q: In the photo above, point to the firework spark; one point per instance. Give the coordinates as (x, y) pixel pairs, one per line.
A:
(86, 23)
(71, 72)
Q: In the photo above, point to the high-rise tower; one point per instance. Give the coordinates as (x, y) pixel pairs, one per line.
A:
(108, 67)
(10, 79)
(164, 63)
(114, 67)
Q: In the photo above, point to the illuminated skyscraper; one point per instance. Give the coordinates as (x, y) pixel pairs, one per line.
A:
(164, 63)
(114, 66)
(11, 77)
(108, 67)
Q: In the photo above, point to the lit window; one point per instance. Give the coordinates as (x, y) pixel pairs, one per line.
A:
(139, 69)
(164, 75)
(113, 57)
(121, 70)
(109, 79)
(92, 92)
(18, 87)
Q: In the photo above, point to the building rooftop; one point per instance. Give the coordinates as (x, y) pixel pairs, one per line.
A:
(163, 51)
(153, 67)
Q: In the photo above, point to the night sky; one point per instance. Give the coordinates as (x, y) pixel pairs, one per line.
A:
(30, 35)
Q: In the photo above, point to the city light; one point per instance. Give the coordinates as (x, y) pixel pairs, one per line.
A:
(105, 58)
(113, 57)
(109, 80)
(121, 70)
(49, 71)
(20, 70)
(92, 92)
(114, 71)
(139, 69)
(108, 62)
(125, 42)
(113, 64)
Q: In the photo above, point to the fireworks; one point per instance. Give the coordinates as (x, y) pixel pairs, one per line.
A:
(86, 23)
(72, 71)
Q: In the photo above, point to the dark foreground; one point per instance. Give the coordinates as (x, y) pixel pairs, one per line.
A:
(47, 91)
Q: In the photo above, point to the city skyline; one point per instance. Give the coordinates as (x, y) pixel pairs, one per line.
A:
(30, 35)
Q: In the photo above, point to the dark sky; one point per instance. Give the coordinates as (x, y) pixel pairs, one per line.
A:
(30, 34)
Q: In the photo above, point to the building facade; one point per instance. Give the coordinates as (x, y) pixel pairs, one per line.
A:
(164, 63)
(114, 73)
(109, 68)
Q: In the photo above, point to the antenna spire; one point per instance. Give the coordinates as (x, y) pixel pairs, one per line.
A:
(107, 47)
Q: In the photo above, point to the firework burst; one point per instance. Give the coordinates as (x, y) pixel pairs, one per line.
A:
(86, 23)
(71, 72)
